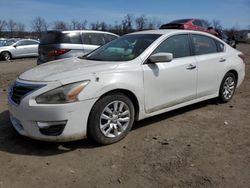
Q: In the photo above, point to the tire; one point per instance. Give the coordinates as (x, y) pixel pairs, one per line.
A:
(6, 56)
(111, 118)
(227, 87)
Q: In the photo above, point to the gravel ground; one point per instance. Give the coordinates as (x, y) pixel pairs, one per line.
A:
(203, 145)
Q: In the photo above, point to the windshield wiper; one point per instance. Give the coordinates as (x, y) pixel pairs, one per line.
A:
(94, 59)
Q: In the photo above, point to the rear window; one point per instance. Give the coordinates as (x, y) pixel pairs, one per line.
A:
(57, 37)
(220, 46)
(109, 38)
(204, 45)
(180, 21)
(94, 39)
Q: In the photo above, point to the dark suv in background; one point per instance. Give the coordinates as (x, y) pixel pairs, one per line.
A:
(56, 45)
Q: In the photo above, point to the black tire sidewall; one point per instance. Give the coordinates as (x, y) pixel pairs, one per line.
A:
(93, 130)
(5, 54)
(221, 96)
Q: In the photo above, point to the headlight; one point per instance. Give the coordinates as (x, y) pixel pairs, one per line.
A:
(65, 94)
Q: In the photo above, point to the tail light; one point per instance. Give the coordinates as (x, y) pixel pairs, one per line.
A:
(242, 56)
(58, 52)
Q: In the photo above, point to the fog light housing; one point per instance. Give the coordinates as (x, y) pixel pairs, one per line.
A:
(52, 128)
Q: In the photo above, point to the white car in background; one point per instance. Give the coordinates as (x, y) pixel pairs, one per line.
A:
(17, 48)
(131, 78)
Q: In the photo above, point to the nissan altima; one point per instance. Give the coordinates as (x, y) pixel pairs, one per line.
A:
(131, 78)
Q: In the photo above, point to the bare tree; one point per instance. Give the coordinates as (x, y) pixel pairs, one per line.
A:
(127, 24)
(39, 25)
(217, 24)
(60, 25)
(3, 25)
(95, 25)
(20, 30)
(116, 28)
(11, 26)
(76, 25)
(141, 22)
(153, 23)
(103, 26)
(83, 24)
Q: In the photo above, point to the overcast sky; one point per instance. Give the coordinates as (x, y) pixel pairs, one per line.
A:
(229, 12)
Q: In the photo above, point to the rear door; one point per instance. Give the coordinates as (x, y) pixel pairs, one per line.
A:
(211, 60)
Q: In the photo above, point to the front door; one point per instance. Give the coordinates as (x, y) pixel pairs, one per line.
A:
(170, 83)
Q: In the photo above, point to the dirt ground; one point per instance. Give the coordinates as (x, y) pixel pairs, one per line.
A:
(203, 145)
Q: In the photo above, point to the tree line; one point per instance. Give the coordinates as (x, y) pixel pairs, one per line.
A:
(39, 25)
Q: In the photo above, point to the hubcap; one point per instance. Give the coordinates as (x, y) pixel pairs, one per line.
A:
(6, 57)
(228, 89)
(114, 119)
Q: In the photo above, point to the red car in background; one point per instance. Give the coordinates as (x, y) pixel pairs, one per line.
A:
(191, 24)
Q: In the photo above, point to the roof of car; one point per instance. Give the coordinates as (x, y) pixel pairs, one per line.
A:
(83, 31)
(167, 31)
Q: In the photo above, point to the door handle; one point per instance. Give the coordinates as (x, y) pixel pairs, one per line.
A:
(191, 67)
(222, 59)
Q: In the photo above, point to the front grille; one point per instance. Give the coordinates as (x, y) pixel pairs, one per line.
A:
(20, 90)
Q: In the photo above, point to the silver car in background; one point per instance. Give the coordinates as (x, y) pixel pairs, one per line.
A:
(56, 45)
(16, 48)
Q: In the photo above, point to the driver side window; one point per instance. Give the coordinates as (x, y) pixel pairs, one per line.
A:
(178, 45)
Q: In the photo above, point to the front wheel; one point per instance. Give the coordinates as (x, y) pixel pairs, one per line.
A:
(227, 88)
(6, 56)
(111, 118)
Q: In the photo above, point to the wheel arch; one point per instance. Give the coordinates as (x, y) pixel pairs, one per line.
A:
(235, 73)
(6, 52)
(130, 95)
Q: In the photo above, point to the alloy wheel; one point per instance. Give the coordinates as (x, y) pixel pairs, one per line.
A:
(114, 119)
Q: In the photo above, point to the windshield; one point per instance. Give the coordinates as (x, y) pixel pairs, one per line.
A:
(124, 48)
(7, 42)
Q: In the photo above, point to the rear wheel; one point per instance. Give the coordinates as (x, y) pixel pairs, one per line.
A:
(227, 88)
(111, 118)
(6, 56)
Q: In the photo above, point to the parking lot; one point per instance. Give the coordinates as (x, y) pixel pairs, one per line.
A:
(203, 145)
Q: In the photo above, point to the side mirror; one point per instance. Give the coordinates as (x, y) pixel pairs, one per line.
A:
(210, 28)
(15, 46)
(161, 57)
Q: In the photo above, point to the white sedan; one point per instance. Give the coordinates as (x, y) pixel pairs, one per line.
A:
(131, 78)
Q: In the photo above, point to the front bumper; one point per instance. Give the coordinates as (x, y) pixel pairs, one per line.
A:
(26, 116)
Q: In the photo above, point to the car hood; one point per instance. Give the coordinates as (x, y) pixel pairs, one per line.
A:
(4, 47)
(66, 68)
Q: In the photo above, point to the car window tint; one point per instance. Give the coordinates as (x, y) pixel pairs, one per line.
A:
(180, 21)
(86, 38)
(26, 42)
(204, 24)
(204, 45)
(177, 45)
(109, 38)
(220, 46)
(94, 39)
(197, 23)
(97, 39)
